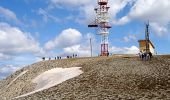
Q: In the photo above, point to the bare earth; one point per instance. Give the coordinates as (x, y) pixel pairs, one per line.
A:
(105, 78)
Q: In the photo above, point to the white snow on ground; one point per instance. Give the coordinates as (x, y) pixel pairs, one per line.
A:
(16, 78)
(53, 77)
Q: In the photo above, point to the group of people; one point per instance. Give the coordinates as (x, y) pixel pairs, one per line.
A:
(74, 56)
(145, 55)
(43, 58)
(58, 57)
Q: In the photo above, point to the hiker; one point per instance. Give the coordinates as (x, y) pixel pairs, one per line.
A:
(107, 54)
(43, 58)
(49, 58)
(147, 56)
(75, 55)
(140, 54)
(144, 56)
(150, 54)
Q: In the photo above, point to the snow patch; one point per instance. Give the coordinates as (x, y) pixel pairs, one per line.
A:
(53, 77)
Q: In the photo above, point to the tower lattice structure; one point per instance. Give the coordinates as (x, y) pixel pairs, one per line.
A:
(102, 25)
(147, 38)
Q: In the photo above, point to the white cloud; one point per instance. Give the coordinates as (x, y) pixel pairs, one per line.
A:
(116, 6)
(83, 48)
(66, 38)
(130, 37)
(159, 29)
(4, 57)
(122, 21)
(70, 3)
(8, 14)
(85, 8)
(124, 50)
(77, 49)
(74, 43)
(154, 10)
(6, 70)
(86, 15)
(13, 41)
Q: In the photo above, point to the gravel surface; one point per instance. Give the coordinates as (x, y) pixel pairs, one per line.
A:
(104, 78)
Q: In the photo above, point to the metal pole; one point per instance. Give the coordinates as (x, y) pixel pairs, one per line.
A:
(147, 37)
(91, 47)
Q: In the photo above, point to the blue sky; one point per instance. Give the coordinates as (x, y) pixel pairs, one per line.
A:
(31, 29)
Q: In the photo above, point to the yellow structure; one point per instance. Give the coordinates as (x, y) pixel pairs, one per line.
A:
(142, 46)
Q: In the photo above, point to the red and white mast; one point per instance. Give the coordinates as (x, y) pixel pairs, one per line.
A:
(102, 23)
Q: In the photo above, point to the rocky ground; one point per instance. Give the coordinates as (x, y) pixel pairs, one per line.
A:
(105, 78)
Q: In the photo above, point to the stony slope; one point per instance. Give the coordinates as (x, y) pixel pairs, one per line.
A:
(104, 78)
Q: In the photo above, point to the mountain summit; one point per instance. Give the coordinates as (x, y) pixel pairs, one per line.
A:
(123, 77)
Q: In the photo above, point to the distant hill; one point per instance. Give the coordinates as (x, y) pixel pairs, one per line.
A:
(120, 77)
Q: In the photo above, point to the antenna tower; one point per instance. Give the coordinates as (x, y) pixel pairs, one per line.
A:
(102, 25)
(147, 37)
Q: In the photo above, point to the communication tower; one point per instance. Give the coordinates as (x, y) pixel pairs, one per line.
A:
(147, 37)
(102, 24)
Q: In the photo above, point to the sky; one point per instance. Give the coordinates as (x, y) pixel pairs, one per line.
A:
(32, 29)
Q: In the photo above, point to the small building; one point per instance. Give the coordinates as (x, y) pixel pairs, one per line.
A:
(142, 46)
